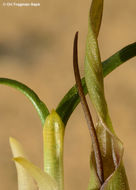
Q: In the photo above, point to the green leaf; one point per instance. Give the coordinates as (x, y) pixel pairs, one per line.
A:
(69, 102)
(44, 181)
(30, 94)
(96, 12)
(53, 137)
(94, 75)
(119, 58)
(25, 181)
(110, 146)
(71, 99)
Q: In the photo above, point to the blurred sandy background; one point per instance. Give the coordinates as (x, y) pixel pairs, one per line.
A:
(36, 49)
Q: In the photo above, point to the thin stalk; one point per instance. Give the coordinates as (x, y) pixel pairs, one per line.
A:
(95, 143)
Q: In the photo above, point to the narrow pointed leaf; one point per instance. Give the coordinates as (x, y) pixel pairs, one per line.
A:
(119, 58)
(93, 68)
(95, 18)
(30, 94)
(87, 113)
(44, 181)
(25, 181)
(69, 102)
(71, 99)
(96, 15)
(110, 146)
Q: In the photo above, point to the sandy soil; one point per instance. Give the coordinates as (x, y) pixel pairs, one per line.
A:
(36, 48)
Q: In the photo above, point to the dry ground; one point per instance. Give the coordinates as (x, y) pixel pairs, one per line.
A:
(36, 48)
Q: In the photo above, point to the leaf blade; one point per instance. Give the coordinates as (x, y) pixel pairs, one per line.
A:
(71, 99)
(40, 107)
(110, 145)
(44, 181)
(25, 181)
(96, 12)
(119, 58)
